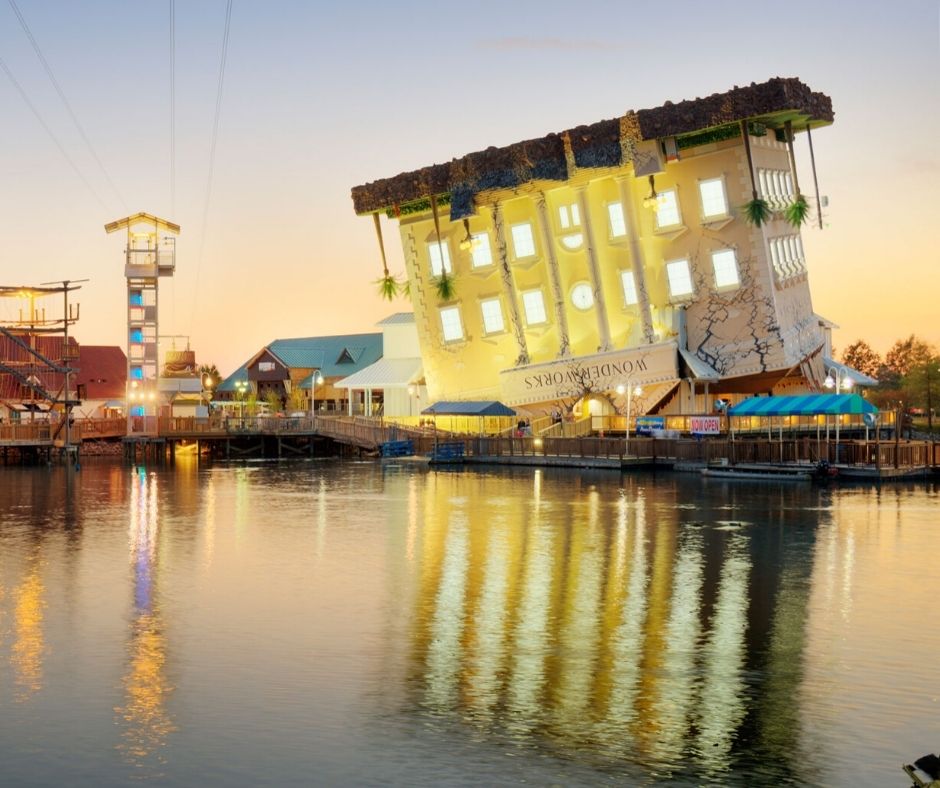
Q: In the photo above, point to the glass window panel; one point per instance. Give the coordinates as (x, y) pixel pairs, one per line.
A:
(667, 209)
(629, 288)
(680, 278)
(726, 268)
(450, 324)
(439, 256)
(492, 316)
(714, 202)
(481, 254)
(618, 227)
(534, 306)
(523, 242)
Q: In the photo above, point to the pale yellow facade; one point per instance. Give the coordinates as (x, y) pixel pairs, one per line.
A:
(587, 268)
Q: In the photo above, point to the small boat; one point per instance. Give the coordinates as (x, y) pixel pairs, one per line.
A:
(929, 765)
(754, 474)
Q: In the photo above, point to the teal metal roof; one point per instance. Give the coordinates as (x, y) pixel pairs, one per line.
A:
(469, 408)
(333, 356)
(228, 384)
(337, 356)
(803, 405)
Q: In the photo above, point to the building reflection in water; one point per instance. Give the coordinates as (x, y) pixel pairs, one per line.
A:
(29, 643)
(617, 625)
(144, 717)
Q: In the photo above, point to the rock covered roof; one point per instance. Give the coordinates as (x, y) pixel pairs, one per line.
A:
(606, 143)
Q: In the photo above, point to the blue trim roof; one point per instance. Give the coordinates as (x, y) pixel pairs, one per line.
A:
(469, 408)
(803, 405)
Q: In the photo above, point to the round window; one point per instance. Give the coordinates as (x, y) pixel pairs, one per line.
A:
(582, 296)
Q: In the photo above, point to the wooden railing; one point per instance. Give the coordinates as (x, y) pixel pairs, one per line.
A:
(36, 432)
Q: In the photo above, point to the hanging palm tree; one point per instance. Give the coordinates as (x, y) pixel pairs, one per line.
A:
(388, 285)
(757, 211)
(797, 212)
(444, 285)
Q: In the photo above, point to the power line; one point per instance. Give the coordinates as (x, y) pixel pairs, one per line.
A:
(65, 101)
(52, 136)
(215, 137)
(172, 107)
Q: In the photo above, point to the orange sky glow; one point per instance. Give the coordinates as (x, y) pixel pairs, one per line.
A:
(317, 100)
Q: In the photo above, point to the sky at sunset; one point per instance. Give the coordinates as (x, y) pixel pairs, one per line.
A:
(319, 97)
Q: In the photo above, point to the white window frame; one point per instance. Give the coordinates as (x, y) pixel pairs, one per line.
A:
(615, 209)
(670, 267)
(730, 284)
(572, 241)
(434, 257)
(661, 201)
(477, 250)
(528, 249)
(526, 294)
(631, 296)
(447, 326)
(569, 216)
(724, 212)
(487, 328)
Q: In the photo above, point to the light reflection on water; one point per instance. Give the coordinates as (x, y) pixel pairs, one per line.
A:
(349, 623)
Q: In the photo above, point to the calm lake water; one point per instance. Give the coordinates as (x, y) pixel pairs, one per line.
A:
(321, 623)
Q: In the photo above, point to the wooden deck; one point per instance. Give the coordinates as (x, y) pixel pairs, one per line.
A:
(239, 436)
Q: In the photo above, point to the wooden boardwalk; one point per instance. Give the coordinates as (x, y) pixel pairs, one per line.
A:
(299, 436)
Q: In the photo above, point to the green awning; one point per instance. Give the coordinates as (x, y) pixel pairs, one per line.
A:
(803, 405)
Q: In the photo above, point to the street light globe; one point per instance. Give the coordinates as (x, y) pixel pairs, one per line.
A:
(848, 383)
(829, 382)
(637, 391)
(621, 389)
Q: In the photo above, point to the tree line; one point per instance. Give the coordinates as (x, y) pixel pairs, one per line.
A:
(908, 374)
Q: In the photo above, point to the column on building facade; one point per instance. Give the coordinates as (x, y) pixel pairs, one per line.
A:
(554, 276)
(600, 305)
(628, 207)
(509, 288)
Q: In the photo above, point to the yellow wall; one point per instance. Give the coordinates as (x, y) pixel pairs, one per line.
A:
(724, 324)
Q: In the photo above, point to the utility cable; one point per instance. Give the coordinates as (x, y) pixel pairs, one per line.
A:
(212, 147)
(173, 108)
(52, 136)
(65, 101)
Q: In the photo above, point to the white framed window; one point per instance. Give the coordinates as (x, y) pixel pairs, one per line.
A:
(451, 325)
(572, 241)
(667, 209)
(534, 305)
(266, 366)
(523, 242)
(439, 255)
(628, 281)
(481, 253)
(680, 278)
(714, 199)
(492, 310)
(582, 296)
(615, 220)
(569, 216)
(725, 265)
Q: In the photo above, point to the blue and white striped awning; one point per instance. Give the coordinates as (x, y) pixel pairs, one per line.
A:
(803, 405)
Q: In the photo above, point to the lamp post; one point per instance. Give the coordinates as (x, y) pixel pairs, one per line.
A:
(241, 386)
(207, 384)
(840, 381)
(315, 379)
(629, 389)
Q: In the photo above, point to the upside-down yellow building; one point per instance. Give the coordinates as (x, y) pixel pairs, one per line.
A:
(659, 249)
